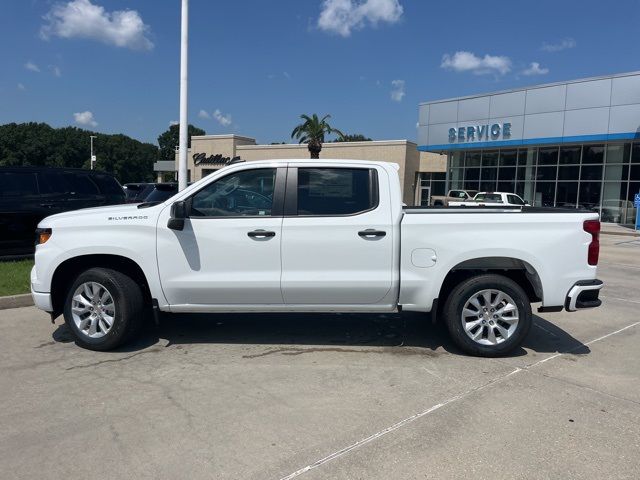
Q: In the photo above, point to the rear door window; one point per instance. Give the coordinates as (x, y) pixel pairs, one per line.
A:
(336, 191)
(18, 184)
(515, 200)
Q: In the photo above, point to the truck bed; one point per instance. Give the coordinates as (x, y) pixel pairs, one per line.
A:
(504, 209)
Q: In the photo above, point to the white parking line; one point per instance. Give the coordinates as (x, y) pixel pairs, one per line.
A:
(432, 409)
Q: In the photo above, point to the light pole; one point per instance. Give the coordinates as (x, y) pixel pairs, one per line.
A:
(184, 50)
(93, 157)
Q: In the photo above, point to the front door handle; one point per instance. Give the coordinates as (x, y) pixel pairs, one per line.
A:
(261, 234)
(372, 233)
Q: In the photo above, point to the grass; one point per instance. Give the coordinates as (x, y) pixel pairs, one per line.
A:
(14, 277)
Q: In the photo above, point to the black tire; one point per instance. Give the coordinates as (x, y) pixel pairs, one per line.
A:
(452, 312)
(129, 309)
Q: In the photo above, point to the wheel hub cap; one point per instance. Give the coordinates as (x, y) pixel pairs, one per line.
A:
(93, 309)
(490, 317)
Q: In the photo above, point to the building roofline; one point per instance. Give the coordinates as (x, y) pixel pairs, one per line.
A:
(328, 144)
(223, 136)
(532, 87)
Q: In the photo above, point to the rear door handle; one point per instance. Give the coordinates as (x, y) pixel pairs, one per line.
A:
(261, 234)
(371, 233)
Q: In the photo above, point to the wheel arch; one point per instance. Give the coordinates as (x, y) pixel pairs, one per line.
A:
(68, 270)
(518, 270)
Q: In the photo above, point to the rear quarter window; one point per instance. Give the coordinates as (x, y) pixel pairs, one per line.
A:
(18, 184)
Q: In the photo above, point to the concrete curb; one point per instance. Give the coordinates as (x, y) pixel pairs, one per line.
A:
(16, 301)
(621, 234)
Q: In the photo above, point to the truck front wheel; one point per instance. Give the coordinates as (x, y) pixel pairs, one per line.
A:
(103, 309)
(488, 315)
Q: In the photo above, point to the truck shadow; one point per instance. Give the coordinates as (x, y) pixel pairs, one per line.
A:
(405, 333)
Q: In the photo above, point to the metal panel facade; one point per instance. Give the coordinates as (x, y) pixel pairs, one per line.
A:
(597, 109)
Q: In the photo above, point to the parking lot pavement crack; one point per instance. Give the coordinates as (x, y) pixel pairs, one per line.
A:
(360, 443)
(110, 360)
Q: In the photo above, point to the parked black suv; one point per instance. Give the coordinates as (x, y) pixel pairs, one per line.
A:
(28, 194)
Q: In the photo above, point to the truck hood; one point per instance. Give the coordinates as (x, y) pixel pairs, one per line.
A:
(103, 215)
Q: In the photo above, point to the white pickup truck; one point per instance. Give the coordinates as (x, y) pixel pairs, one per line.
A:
(491, 199)
(313, 236)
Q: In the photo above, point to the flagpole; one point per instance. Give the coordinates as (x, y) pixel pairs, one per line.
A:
(184, 125)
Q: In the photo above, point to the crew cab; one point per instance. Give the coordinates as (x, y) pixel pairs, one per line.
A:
(491, 199)
(313, 236)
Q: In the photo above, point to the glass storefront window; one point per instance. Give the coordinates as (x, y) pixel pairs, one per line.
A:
(567, 194)
(618, 153)
(507, 173)
(548, 156)
(472, 159)
(591, 172)
(507, 187)
(508, 158)
(546, 173)
(593, 154)
(635, 153)
(589, 197)
(570, 155)
(489, 174)
(571, 172)
(490, 158)
(614, 204)
(471, 174)
(616, 172)
(601, 178)
(545, 193)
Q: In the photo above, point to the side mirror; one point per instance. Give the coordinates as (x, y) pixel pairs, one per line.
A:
(178, 214)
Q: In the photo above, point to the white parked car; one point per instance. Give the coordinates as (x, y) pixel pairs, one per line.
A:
(313, 236)
(491, 199)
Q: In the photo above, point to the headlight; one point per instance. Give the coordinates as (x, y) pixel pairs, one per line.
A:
(42, 235)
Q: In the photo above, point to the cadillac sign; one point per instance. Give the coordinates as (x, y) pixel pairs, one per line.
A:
(479, 133)
(217, 159)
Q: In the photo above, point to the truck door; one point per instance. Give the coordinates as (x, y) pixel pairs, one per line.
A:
(229, 250)
(337, 237)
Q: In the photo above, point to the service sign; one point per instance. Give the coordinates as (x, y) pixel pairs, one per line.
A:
(480, 133)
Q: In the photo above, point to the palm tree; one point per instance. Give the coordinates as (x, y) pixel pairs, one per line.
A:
(312, 132)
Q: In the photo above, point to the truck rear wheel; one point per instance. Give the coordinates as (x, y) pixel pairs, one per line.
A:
(103, 309)
(488, 315)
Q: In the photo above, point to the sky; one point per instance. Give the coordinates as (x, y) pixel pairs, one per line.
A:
(256, 65)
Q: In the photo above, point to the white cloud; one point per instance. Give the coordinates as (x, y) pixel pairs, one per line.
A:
(32, 66)
(173, 122)
(222, 119)
(83, 19)
(286, 75)
(21, 87)
(564, 44)
(468, 62)
(85, 118)
(343, 16)
(397, 92)
(204, 114)
(55, 70)
(535, 69)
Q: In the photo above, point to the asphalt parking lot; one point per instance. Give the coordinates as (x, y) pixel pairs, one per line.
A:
(329, 396)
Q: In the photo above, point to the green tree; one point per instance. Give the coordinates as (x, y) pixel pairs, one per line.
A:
(170, 139)
(312, 132)
(356, 137)
(39, 144)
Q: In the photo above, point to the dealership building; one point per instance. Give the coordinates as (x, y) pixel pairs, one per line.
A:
(567, 144)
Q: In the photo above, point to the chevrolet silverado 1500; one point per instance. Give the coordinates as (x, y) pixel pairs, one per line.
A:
(313, 236)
